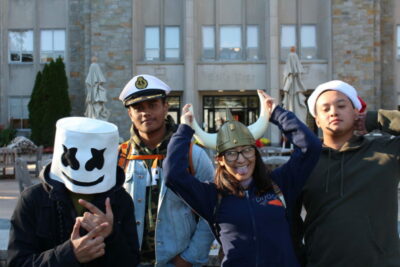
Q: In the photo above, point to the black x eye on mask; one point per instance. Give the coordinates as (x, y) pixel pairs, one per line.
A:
(97, 160)
(68, 158)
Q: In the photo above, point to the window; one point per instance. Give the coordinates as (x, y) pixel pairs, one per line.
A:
(230, 43)
(398, 41)
(208, 37)
(152, 44)
(308, 41)
(20, 45)
(172, 40)
(252, 42)
(288, 39)
(174, 110)
(19, 112)
(243, 108)
(168, 49)
(52, 45)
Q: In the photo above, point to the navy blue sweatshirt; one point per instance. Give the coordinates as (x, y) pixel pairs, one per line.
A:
(253, 230)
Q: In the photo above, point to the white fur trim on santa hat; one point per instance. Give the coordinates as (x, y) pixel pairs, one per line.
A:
(335, 85)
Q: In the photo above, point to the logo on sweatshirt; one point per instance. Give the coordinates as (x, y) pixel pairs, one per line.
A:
(269, 199)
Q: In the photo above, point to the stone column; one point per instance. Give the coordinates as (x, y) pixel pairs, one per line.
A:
(389, 94)
(105, 31)
(189, 92)
(273, 59)
(4, 62)
(75, 54)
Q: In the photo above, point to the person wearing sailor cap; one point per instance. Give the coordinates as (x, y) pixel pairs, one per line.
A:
(248, 207)
(79, 215)
(351, 195)
(170, 234)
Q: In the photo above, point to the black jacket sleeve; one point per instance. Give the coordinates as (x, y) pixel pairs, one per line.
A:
(24, 244)
(307, 147)
(122, 246)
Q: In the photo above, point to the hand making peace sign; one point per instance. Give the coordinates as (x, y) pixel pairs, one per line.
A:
(95, 217)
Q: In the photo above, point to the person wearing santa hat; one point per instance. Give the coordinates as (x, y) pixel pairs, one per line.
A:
(351, 195)
(79, 215)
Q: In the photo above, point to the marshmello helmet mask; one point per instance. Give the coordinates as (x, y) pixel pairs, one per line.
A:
(85, 155)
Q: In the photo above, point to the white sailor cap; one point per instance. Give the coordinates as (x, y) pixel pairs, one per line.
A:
(142, 88)
(335, 85)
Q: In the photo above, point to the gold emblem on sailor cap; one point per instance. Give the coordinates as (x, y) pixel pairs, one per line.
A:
(141, 83)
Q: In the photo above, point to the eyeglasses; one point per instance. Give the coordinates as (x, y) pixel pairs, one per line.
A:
(232, 155)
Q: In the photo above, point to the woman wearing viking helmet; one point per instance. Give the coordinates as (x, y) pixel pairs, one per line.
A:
(248, 207)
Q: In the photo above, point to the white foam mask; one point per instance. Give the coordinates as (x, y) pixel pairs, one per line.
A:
(85, 161)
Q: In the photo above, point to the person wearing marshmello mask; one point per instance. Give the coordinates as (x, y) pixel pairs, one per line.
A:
(79, 215)
(351, 195)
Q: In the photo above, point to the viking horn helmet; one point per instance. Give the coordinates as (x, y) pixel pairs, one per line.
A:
(233, 133)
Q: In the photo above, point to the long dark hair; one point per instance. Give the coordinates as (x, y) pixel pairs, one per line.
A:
(229, 185)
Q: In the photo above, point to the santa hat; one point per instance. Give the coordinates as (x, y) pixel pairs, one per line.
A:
(335, 85)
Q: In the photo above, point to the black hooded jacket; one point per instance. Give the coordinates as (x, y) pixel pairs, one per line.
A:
(43, 220)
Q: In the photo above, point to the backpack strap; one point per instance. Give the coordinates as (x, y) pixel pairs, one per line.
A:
(216, 227)
(124, 150)
(154, 156)
(124, 155)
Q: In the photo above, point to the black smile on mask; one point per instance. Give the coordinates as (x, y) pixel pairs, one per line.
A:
(99, 180)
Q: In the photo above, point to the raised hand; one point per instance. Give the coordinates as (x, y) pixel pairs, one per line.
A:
(270, 102)
(187, 115)
(90, 246)
(90, 220)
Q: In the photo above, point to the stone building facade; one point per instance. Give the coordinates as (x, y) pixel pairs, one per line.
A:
(363, 49)
(353, 40)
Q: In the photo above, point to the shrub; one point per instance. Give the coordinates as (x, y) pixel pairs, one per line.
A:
(6, 135)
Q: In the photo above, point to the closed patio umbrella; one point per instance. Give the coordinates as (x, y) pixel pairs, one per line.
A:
(294, 99)
(96, 94)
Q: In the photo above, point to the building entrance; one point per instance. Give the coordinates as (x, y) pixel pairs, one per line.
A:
(244, 108)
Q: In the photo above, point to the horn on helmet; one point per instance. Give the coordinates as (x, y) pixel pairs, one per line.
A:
(258, 128)
(206, 139)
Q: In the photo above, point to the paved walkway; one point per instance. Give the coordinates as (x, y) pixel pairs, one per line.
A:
(9, 193)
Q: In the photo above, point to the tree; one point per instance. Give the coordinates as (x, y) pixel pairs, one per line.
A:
(56, 100)
(62, 83)
(35, 107)
(49, 102)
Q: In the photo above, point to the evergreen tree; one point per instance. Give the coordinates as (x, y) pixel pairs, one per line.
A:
(33, 107)
(43, 107)
(56, 101)
(62, 83)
